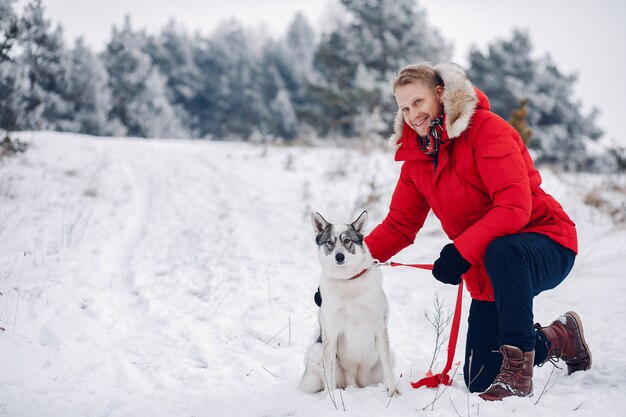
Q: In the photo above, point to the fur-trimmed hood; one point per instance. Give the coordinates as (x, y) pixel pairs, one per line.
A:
(460, 99)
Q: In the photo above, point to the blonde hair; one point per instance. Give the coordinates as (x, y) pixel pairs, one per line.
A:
(418, 73)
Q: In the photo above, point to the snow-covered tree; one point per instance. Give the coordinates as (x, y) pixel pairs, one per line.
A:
(8, 28)
(46, 59)
(508, 73)
(229, 100)
(139, 98)
(357, 59)
(293, 59)
(12, 102)
(89, 92)
(158, 118)
(172, 54)
(284, 116)
(504, 72)
(299, 47)
(14, 86)
(563, 132)
(388, 34)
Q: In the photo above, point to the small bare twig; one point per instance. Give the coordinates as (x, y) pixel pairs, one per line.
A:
(19, 291)
(453, 406)
(439, 321)
(343, 405)
(578, 406)
(259, 339)
(77, 228)
(288, 326)
(218, 306)
(395, 389)
(270, 372)
(437, 396)
(331, 390)
(440, 392)
(545, 387)
(471, 380)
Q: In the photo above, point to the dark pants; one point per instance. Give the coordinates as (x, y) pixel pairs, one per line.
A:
(519, 267)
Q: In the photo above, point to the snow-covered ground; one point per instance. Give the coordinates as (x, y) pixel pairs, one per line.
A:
(175, 278)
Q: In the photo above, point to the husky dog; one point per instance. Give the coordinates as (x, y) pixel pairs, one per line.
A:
(351, 344)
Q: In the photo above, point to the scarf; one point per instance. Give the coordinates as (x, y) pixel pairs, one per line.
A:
(430, 144)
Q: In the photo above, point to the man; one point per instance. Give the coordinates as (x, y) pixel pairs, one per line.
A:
(510, 240)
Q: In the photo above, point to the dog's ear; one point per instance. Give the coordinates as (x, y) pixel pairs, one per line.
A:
(360, 223)
(319, 223)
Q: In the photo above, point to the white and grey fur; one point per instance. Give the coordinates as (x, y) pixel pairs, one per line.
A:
(351, 344)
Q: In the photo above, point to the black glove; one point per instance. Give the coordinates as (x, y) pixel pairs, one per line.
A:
(450, 265)
(318, 297)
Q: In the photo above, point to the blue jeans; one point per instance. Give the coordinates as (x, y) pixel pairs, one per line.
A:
(520, 267)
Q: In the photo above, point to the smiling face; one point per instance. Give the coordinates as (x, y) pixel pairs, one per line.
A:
(420, 104)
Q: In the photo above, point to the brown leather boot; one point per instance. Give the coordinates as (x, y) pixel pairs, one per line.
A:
(567, 342)
(515, 377)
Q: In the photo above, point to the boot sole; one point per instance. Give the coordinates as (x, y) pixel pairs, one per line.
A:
(579, 326)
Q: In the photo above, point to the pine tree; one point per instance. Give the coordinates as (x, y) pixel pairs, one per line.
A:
(563, 132)
(12, 103)
(229, 100)
(300, 46)
(89, 93)
(507, 73)
(8, 29)
(139, 100)
(46, 60)
(356, 61)
(504, 72)
(285, 121)
(292, 59)
(14, 87)
(172, 54)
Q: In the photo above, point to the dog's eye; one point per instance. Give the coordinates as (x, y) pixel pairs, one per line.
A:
(346, 241)
(329, 242)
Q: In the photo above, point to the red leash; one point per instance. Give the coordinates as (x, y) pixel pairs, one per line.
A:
(433, 381)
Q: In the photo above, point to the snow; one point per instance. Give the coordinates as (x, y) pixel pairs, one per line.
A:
(176, 278)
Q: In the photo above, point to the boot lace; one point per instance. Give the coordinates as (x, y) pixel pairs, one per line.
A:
(510, 366)
(554, 357)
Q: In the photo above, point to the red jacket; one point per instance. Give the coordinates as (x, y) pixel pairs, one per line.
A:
(484, 186)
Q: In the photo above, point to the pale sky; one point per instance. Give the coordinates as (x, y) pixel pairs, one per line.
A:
(582, 36)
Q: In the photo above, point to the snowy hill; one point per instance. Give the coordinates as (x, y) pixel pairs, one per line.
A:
(175, 278)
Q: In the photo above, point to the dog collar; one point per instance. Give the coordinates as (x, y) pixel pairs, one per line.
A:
(359, 274)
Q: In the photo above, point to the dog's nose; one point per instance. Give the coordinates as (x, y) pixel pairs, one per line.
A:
(340, 257)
